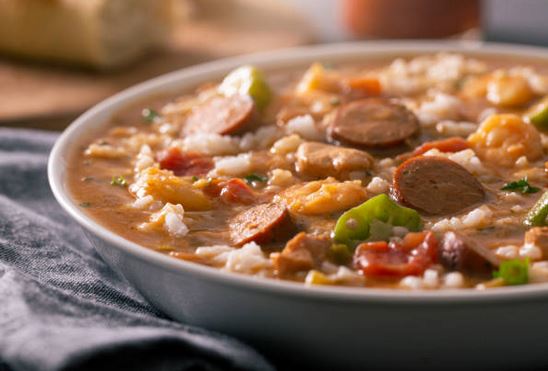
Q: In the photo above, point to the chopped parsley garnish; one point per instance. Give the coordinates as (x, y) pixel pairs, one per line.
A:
(521, 186)
(335, 101)
(119, 181)
(513, 272)
(195, 178)
(149, 115)
(85, 204)
(255, 178)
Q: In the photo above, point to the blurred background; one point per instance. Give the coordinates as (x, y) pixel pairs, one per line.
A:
(59, 57)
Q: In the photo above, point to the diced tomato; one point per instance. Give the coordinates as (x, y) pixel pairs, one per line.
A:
(185, 163)
(412, 240)
(236, 191)
(412, 256)
(366, 85)
(213, 187)
(453, 144)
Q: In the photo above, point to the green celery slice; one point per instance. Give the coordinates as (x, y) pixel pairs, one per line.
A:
(536, 217)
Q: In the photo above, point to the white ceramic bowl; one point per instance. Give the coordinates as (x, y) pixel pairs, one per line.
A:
(330, 327)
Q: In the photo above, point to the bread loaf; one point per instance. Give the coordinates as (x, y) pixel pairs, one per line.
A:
(97, 33)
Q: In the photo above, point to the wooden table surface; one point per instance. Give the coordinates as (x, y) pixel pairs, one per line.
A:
(45, 96)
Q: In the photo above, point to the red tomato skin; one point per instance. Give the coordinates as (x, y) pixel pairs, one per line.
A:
(453, 144)
(380, 259)
(185, 163)
(236, 191)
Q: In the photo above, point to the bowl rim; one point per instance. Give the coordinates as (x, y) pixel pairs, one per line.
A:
(273, 59)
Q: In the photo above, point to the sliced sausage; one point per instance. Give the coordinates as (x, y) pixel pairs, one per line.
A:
(373, 122)
(320, 160)
(221, 115)
(436, 185)
(303, 252)
(460, 254)
(260, 224)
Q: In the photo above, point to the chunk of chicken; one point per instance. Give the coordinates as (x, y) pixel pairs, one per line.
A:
(320, 160)
(302, 253)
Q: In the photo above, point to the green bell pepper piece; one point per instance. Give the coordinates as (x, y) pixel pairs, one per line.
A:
(355, 224)
(538, 115)
(247, 80)
(514, 272)
(536, 217)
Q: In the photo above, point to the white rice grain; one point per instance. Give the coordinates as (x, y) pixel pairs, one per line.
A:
(477, 218)
(170, 218)
(452, 128)
(304, 126)
(211, 144)
(260, 139)
(453, 280)
(281, 178)
(248, 259)
(430, 279)
(378, 185)
(441, 107)
(347, 276)
(287, 144)
(105, 151)
(466, 158)
(411, 283)
(145, 159)
(507, 252)
(232, 165)
(218, 254)
(530, 251)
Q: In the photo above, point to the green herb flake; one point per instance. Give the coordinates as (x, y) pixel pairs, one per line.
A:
(119, 181)
(85, 204)
(335, 101)
(513, 272)
(255, 178)
(195, 178)
(521, 186)
(149, 115)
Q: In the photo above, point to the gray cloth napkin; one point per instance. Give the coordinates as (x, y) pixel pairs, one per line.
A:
(61, 307)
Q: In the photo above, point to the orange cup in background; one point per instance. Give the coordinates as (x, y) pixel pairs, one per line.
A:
(402, 19)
